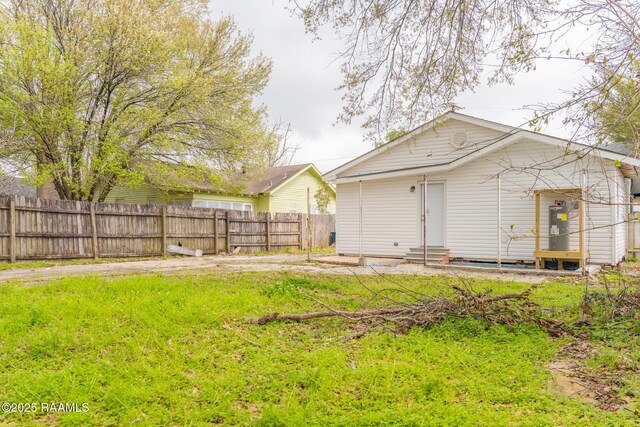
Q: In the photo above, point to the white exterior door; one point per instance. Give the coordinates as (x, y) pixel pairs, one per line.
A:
(435, 214)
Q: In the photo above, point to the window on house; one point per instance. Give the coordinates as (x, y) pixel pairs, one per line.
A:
(120, 200)
(151, 202)
(215, 204)
(293, 208)
(314, 209)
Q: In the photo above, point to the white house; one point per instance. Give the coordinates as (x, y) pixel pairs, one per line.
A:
(490, 188)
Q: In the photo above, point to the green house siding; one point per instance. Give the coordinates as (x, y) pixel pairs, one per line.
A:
(146, 194)
(213, 197)
(142, 195)
(263, 203)
(295, 192)
(292, 195)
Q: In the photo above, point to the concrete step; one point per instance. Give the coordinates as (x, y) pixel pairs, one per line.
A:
(429, 252)
(430, 260)
(435, 254)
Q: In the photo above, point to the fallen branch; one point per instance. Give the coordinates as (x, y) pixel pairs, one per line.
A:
(508, 309)
(272, 317)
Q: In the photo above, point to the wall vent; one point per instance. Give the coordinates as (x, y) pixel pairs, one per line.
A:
(459, 139)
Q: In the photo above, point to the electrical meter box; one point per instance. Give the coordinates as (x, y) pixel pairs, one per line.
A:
(559, 227)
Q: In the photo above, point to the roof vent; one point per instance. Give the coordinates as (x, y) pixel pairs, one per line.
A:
(459, 139)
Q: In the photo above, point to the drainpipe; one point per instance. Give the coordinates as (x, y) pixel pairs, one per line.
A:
(360, 257)
(424, 223)
(583, 219)
(499, 223)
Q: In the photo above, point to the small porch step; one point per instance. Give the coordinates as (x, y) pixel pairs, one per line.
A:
(435, 254)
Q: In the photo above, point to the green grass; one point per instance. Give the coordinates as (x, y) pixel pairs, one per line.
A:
(53, 263)
(174, 350)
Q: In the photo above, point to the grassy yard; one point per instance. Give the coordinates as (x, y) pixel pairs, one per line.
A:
(54, 263)
(174, 350)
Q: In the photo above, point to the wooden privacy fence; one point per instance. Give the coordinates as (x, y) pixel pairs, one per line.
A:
(633, 235)
(32, 229)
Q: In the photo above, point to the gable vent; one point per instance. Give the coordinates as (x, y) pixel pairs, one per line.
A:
(459, 139)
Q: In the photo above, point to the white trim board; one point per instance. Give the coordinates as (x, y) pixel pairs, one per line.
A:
(511, 135)
(572, 148)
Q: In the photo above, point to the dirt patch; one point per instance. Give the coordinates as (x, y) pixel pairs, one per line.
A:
(630, 269)
(278, 262)
(572, 378)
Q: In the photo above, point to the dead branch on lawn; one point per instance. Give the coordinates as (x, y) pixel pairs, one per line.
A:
(618, 300)
(506, 309)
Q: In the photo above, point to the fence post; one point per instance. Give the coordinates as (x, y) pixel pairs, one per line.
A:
(308, 224)
(215, 232)
(164, 230)
(301, 243)
(94, 230)
(228, 226)
(268, 231)
(12, 229)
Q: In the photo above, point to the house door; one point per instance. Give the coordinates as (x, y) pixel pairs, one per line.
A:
(435, 214)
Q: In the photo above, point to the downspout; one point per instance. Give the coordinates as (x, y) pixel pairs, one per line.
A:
(614, 220)
(499, 223)
(360, 258)
(583, 222)
(424, 222)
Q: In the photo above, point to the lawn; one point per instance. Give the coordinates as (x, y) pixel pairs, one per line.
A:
(175, 350)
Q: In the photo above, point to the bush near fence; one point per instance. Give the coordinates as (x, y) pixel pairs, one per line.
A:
(36, 229)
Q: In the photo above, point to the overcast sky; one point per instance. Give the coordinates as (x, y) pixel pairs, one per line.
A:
(302, 87)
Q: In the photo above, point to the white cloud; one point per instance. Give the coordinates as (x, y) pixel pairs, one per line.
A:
(302, 88)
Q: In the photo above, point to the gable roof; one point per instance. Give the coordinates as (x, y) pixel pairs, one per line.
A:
(615, 152)
(275, 177)
(272, 180)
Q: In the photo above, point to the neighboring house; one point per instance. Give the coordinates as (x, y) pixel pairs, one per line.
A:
(15, 186)
(483, 179)
(279, 189)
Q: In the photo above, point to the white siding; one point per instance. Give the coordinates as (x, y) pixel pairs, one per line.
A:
(431, 148)
(391, 214)
(621, 213)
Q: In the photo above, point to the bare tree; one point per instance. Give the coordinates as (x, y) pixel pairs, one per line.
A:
(283, 149)
(403, 61)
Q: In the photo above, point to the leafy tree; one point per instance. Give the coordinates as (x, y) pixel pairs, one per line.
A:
(395, 134)
(617, 116)
(323, 198)
(406, 60)
(94, 93)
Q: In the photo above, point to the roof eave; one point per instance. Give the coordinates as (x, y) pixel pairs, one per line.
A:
(515, 137)
(332, 175)
(313, 169)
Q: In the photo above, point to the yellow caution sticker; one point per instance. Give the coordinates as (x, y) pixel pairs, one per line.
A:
(563, 217)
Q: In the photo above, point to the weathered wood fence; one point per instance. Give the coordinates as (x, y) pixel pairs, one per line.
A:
(633, 235)
(32, 229)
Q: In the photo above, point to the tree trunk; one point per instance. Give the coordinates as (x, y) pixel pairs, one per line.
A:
(45, 190)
